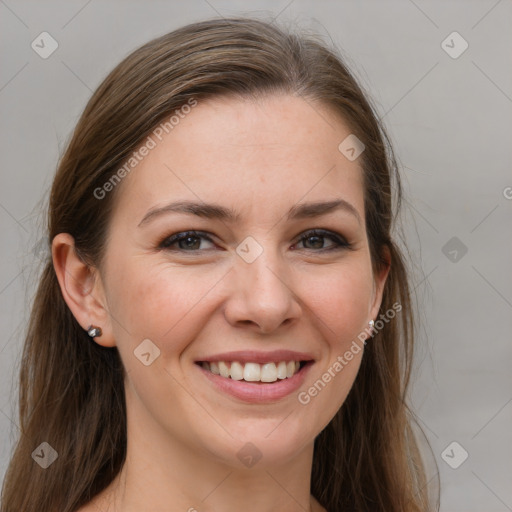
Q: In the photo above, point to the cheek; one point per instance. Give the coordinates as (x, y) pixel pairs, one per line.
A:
(161, 302)
(339, 304)
(340, 299)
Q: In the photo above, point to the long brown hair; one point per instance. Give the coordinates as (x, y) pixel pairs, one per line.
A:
(71, 391)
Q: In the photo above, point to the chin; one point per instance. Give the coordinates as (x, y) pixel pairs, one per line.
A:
(262, 442)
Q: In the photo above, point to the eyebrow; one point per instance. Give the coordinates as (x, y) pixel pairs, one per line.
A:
(215, 211)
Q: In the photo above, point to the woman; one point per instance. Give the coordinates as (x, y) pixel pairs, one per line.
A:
(225, 323)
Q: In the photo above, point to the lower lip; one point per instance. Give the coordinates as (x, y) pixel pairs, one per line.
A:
(255, 392)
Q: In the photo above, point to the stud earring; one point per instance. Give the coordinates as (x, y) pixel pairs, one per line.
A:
(93, 331)
(371, 323)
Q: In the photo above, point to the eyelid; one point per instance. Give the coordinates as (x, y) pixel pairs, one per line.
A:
(180, 235)
(340, 242)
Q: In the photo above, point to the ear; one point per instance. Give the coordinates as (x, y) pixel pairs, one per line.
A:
(379, 281)
(81, 288)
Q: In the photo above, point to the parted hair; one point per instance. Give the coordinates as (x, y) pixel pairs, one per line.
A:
(71, 390)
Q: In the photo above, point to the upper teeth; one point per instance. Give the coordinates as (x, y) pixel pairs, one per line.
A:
(253, 372)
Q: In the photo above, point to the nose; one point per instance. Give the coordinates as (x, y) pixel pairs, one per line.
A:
(261, 295)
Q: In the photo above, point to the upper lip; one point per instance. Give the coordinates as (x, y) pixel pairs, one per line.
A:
(256, 356)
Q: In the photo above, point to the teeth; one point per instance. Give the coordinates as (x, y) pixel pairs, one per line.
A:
(253, 372)
(236, 371)
(223, 369)
(268, 372)
(281, 370)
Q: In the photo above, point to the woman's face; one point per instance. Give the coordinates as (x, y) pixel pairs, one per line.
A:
(253, 291)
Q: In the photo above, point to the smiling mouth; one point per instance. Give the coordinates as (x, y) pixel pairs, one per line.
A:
(254, 372)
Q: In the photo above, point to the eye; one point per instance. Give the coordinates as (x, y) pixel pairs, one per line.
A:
(185, 241)
(315, 239)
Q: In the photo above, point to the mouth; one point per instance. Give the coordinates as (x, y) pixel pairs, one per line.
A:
(254, 372)
(256, 377)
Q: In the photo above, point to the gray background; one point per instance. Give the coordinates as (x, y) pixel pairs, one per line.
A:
(450, 120)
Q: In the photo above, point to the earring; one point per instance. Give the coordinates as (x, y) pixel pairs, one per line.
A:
(93, 331)
(371, 323)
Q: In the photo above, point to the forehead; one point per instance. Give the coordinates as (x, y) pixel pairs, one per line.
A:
(265, 154)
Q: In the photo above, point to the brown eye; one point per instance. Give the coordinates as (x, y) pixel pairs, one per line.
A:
(315, 239)
(184, 241)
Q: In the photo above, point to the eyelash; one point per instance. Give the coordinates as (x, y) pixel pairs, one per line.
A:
(340, 242)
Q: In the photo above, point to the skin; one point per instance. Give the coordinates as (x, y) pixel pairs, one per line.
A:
(260, 158)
